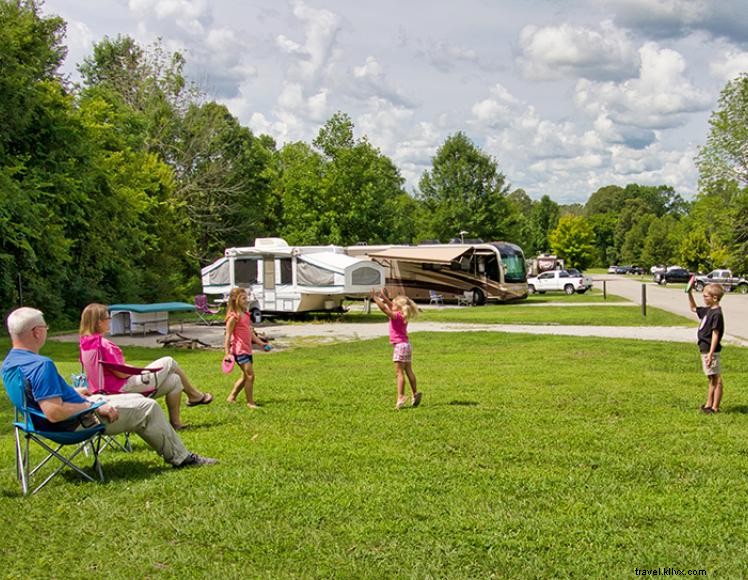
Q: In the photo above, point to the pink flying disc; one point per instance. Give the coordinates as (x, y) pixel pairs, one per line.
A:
(227, 365)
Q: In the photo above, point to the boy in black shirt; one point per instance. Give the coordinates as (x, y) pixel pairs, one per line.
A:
(710, 332)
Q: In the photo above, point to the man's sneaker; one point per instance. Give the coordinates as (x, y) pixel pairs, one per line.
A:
(193, 459)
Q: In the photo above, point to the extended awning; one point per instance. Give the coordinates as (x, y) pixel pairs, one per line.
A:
(444, 255)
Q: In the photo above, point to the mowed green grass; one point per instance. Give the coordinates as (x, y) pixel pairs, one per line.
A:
(531, 456)
(520, 313)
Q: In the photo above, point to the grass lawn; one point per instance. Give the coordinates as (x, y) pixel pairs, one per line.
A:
(521, 313)
(532, 456)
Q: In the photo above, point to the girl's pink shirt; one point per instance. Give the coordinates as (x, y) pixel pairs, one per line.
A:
(109, 352)
(241, 338)
(398, 329)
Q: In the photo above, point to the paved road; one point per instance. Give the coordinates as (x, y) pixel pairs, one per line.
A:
(734, 306)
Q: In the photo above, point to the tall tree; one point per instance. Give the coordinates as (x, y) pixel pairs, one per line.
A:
(464, 191)
(544, 216)
(720, 209)
(345, 192)
(725, 155)
(574, 241)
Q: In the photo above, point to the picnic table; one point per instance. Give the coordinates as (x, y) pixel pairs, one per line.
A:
(128, 318)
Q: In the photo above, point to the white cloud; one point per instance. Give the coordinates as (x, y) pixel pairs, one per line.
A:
(320, 29)
(677, 18)
(730, 64)
(370, 80)
(289, 46)
(659, 98)
(497, 110)
(190, 16)
(554, 52)
(446, 56)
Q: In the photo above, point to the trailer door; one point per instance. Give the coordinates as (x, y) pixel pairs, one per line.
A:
(268, 283)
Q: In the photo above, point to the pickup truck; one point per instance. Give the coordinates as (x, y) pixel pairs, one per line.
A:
(558, 280)
(724, 277)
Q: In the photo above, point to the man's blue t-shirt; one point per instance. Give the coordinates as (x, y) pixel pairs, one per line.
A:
(46, 382)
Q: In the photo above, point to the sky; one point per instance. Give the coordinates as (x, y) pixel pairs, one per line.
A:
(566, 95)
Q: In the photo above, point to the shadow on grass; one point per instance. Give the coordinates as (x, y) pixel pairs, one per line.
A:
(463, 403)
(737, 409)
(127, 470)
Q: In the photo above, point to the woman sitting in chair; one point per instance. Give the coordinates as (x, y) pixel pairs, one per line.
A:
(167, 378)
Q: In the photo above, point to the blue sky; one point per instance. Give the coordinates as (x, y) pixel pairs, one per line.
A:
(567, 96)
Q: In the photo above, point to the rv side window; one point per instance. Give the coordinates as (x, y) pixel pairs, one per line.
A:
(428, 266)
(245, 272)
(286, 271)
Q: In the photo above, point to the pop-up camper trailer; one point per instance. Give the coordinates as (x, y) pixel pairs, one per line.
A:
(288, 279)
(492, 271)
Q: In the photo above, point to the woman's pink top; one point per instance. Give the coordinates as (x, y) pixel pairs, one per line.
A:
(398, 329)
(108, 352)
(241, 338)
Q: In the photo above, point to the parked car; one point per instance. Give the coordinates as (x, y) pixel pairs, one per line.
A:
(633, 270)
(612, 269)
(724, 277)
(672, 275)
(558, 280)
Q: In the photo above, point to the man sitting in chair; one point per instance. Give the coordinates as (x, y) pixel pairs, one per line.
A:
(58, 401)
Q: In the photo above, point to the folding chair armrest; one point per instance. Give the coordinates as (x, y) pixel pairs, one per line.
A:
(93, 407)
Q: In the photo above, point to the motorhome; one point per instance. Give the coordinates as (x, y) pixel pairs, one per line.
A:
(483, 272)
(290, 279)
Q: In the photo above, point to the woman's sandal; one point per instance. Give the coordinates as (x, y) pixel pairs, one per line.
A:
(206, 399)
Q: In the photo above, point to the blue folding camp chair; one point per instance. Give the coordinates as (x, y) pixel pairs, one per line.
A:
(52, 442)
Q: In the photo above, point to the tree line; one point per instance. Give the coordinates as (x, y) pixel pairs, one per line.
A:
(120, 187)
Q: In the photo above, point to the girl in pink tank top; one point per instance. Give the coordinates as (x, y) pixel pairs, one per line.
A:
(238, 344)
(400, 311)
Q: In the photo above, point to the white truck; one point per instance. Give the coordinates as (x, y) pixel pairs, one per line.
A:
(725, 278)
(558, 280)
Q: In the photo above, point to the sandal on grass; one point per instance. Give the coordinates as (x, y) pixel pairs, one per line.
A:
(206, 399)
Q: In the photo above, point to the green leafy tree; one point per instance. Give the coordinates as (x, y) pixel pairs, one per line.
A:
(544, 216)
(661, 242)
(633, 242)
(604, 226)
(345, 192)
(43, 160)
(720, 209)
(574, 241)
(725, 155)
(694, 250)
(464, 191)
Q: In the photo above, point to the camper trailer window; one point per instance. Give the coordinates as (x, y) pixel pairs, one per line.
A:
(309, 275)
(434, 267)
(286, 271)
(245, 272)
(366, 277)
(220, 275)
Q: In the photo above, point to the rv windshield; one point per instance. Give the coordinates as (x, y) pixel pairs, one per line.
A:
(514, 262)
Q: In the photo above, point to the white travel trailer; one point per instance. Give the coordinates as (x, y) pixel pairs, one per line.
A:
(288, 279)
